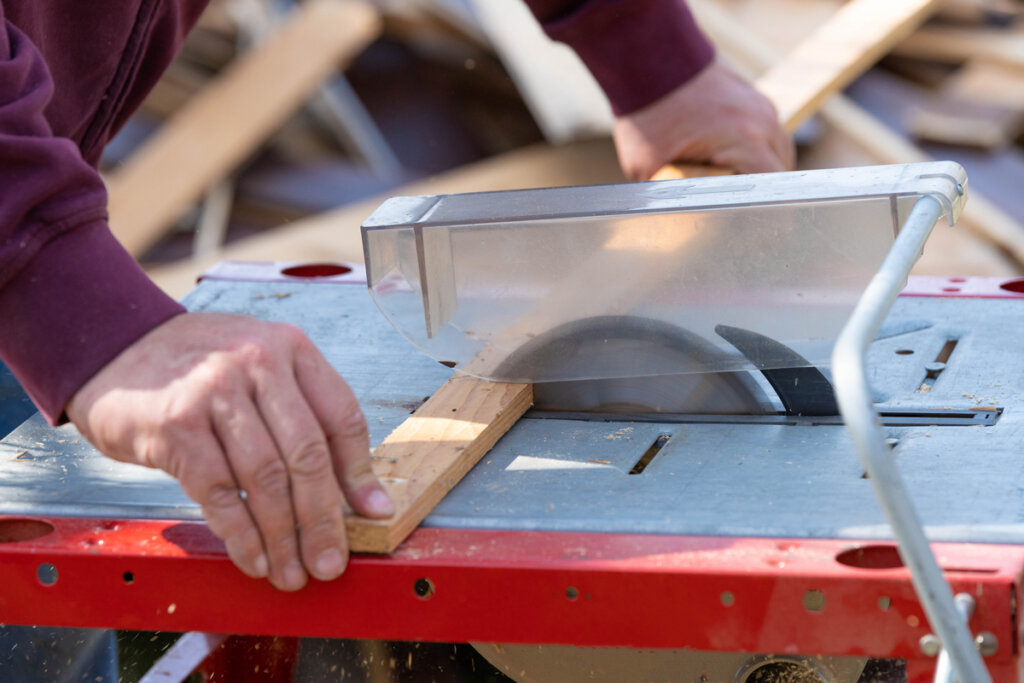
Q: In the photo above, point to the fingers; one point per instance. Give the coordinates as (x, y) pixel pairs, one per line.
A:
(315, 495)
(264, 476)
(206, 477)
(348, 439)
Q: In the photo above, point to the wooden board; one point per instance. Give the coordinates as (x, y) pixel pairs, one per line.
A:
(230, 118)
(430, 452)
(952, 121)
(957, 45)
(841, 49)
(980, 105)
(985, 82)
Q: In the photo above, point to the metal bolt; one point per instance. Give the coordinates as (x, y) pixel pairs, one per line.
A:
(935, 366)
(987, 643)
(930, 645)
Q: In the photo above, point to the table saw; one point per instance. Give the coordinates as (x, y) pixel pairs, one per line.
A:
(722, 535)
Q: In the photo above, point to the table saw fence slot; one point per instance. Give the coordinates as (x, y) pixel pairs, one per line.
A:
(890, 416)
(935, 368)
(650, 453)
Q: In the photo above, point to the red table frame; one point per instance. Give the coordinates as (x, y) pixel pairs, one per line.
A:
(830, 597)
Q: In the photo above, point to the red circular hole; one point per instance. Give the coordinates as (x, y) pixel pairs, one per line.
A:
(18, 530)
(317, 270)
(1016, 286)
(871, 557)
(950, 289)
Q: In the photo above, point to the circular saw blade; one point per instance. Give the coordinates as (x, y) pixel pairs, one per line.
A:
(626, 354)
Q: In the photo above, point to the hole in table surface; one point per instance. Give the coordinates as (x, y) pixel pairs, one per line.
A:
(22, 529)
(1015, 286)
(871, 557)
(316, 270)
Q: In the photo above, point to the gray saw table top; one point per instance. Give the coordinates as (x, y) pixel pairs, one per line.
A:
(799, 480)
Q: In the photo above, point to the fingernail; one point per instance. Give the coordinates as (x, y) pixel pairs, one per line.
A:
(262, 567)
(380, 503)
(329, 565)
(294, 576)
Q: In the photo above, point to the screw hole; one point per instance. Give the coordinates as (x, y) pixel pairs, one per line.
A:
(128, 577)
(47, 574)
(572, 592)
(904, 352)
(424, 588)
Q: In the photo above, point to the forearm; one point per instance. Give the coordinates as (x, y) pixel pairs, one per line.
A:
(70, 297)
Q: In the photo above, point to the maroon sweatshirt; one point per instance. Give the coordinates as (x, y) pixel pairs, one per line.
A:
(73, 71)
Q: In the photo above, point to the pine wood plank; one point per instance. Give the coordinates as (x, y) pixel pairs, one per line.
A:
(432, 450)
(842, 48)
(232, 116)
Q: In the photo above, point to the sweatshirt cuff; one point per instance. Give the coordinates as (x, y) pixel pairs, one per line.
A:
(71, 310)
(638, 50)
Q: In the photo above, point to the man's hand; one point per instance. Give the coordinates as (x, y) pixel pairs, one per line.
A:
(717, 117)
(255, 425)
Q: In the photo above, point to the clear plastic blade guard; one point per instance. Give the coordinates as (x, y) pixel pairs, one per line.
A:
(471, 279)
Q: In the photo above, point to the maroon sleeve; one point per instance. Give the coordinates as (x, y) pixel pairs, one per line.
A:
(638, 50)
(71, 298)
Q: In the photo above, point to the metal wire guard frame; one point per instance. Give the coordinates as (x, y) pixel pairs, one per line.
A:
(862, 422)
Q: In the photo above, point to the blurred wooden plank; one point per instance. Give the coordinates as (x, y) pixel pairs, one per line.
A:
(959, 44)
(952, 121)
(231, 117)
(988, 83)
(845, 46)
(981, 105)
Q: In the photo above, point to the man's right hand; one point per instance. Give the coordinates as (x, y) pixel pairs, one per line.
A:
(257, 428)
(716, 118)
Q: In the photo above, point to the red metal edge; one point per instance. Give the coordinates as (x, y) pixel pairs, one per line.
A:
(964, 286)
(355, 273)
(705, 593)
(343, 273)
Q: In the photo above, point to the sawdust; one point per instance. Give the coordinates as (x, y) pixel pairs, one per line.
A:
(279, 295)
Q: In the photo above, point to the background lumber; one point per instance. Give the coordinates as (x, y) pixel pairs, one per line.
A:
(231, 117)
(842, 48)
